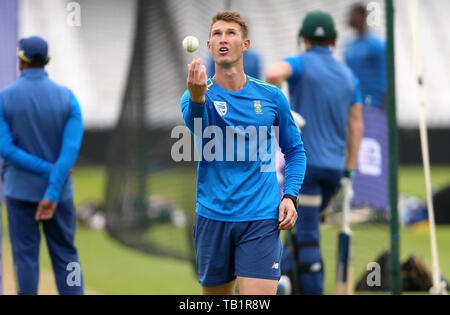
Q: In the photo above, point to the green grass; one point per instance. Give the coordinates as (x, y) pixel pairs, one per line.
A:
(369, 241)
(176, 185)
(111, 268)
(412, 179)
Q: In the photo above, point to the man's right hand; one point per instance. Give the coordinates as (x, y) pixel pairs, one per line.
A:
(197, 82)
(45, 210)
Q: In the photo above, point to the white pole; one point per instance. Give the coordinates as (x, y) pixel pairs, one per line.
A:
(438, 285)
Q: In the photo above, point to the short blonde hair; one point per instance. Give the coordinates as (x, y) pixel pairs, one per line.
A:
(230, 16)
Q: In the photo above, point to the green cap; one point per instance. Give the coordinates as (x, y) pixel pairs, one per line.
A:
(318, 25)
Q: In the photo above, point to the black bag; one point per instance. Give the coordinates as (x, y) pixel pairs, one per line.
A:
(441, 205)
(416, 276)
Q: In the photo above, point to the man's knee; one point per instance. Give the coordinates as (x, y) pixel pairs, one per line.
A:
(254, 286)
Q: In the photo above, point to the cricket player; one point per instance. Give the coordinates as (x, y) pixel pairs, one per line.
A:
(239, 214)
(366, 56)
(41, 130)
(326, 94)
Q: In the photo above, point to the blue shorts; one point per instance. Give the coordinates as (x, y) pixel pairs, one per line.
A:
(225, 250)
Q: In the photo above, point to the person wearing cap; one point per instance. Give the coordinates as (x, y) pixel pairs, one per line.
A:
(41, 129)
(366, 56)
(327, 95)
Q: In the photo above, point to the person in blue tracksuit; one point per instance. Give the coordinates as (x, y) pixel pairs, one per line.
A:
(366, 56)
(235, 119)
(41, 130)
(326, 94)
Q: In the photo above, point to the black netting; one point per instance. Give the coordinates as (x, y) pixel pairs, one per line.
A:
(149, 199)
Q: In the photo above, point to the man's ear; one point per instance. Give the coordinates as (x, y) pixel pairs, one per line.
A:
(246, 44)
(333, 42)
(307, 42)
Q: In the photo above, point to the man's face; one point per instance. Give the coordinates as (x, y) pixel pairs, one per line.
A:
(226, 43)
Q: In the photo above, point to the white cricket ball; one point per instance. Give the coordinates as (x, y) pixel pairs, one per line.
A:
(190, 43)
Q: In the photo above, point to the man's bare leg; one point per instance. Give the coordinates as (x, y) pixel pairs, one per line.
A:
(225, 289)
(253, 286)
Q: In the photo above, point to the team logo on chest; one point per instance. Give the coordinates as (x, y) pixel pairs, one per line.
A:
(258, 108)
(221, 107)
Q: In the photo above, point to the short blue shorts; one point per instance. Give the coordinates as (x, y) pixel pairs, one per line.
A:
(225, 250)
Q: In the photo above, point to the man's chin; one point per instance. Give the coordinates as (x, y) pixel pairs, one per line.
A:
(225, 61)
(222, 60)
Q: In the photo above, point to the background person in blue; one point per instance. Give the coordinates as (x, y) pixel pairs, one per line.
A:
(239, 215)
(41, 130)
(366, 56)
(326, 94)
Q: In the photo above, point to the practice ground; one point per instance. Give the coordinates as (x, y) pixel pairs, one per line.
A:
(111, 268)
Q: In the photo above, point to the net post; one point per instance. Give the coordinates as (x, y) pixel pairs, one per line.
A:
(393, 149)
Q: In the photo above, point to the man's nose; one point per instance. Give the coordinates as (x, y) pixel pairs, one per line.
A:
(224, 38)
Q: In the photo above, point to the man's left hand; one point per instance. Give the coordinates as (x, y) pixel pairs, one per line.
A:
(45, 210)
(287, 215)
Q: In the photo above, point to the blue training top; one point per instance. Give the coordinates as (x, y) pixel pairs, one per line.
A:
(41, 129)
(322, 90)
(235, 138)
(366, 56)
